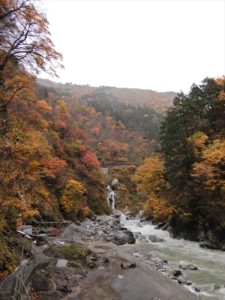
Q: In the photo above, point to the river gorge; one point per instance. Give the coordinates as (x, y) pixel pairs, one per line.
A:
(207, 271)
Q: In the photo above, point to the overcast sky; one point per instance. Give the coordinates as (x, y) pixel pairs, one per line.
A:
(159, 45)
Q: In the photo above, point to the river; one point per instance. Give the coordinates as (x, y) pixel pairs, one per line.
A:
(210, 276)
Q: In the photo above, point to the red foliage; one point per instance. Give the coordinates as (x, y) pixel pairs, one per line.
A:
(96, 130)
(56, 165)
(82, 149)
(79, 134)
(82, 119)
(117, 147)
(90, 159)
(59, 124)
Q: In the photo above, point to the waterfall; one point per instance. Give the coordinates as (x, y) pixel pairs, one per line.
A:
(111, 197)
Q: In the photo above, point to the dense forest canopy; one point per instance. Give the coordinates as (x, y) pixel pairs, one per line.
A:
(158, 101)
(186, 183)
(54, 139)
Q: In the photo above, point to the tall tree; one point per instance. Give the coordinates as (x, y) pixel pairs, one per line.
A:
(25, 45)
(192, 138)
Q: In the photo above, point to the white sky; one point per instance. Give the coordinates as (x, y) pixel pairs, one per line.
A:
(159, 45)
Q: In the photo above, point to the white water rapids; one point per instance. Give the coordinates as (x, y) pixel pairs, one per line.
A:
(210, 276)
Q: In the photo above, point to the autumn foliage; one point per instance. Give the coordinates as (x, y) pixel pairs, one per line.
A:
(185, 185)
(71, 198)
(90, 159)
(151, 187)
(194, 150)
(55, 137)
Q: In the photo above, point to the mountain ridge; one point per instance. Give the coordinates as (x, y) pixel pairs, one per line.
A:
(159, 101)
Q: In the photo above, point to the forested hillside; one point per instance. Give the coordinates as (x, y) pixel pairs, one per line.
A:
(185, 186)
(55, 137)
(158, 101)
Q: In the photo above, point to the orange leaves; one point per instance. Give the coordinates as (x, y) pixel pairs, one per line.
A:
(220, 81)
(212, 167)
(96, 130)
(20, 207)
(19, 170)
(149, 177)
(34, 164)
(116, 147)
(25, 36)
(90, 159)
(151, 185)
(86, 211)
(158, 208)
(43, 106)
(62, 115)
(222, 96)
(61, 125)
(55, 165)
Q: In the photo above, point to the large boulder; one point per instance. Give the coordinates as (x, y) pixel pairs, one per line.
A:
(190, 267)
(212, 240)
(155, 239)
(123, 237)
(174, 274)
(40, 282)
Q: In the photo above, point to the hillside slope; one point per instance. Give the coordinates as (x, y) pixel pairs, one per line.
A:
(159, 101)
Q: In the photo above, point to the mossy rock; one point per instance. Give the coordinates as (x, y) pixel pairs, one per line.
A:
(77, 255)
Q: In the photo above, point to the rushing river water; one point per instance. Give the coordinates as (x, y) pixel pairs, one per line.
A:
(210, 276)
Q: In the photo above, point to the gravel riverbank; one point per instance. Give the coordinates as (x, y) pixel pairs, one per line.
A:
(114, 274)
(88, 262)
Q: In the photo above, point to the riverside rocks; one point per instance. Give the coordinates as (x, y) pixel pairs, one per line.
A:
(105, 271)
(105, 228)
(155, 239)
(190, 267)
(62, 265)
(52, 283)
(58, 277)
(175, 273)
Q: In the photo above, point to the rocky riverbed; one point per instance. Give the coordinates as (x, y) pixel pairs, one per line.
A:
(87, 261)
(199, 269)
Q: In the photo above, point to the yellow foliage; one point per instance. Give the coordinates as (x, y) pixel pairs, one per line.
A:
(158, 208)
(34, 164)
(71, 198)
(149, 177)
(212, 167)
(62, 106)
(44, 106)
(198, 140)
(86, 211)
